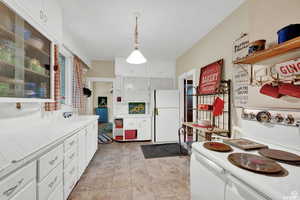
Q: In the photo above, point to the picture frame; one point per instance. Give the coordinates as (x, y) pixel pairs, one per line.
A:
(210, 78)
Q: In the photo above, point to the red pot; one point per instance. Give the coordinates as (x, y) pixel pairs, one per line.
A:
(290, 90)
(270, 90)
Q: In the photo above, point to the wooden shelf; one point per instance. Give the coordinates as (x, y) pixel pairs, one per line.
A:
(279, 53)
(215, 130)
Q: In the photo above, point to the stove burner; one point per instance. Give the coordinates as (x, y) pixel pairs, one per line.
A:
(217, 146)
(281, 156)
(255, 163)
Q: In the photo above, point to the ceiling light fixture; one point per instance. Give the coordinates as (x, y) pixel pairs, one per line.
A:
(136, 57)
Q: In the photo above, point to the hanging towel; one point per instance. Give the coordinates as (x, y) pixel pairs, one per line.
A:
(218, 107)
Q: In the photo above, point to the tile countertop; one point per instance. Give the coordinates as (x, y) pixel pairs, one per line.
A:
(275, 188)
(19, 145)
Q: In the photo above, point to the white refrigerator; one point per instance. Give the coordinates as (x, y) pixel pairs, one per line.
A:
(166, 116)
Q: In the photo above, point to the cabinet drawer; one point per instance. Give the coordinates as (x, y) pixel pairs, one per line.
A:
(49, 161)
(28, 192)
(71, 171)
(69, 157)
(15, 182)
(68, 186)
(48, 185)
(130, 124)
(70, 143)
(58, 193)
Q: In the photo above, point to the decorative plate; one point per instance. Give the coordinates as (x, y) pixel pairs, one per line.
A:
(217, 146)
(255, 163)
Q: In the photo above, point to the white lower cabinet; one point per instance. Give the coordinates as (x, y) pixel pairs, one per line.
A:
(49, 184)
(18, 180)
(81, 152)
(58, 193)
(27, 193)
(53, 175)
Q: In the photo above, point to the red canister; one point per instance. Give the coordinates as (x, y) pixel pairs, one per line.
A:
(270, 90)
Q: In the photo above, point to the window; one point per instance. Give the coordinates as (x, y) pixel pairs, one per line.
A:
(62, 63)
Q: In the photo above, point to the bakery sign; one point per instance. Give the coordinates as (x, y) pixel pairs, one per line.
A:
(288, 69)
(210, 78)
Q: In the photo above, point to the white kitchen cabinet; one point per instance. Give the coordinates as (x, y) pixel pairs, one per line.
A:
(144, 129)
(53, 18)
(81, 152)
(27, 193)
(49, 184)
(59, 168)
(47, 14)
(49, 161)
(34, 7)
(58, 193)
(15, 182)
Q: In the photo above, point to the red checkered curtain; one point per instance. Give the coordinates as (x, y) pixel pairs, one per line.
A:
(56, 104)
(78, 98)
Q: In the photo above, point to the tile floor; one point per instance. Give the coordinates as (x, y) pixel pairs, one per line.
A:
(120, 172)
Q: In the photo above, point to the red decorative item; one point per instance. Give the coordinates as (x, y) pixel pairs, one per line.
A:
(218, 107)
(205, 107)
(130, 134)
(270, 90)
(290, 90)
(210, 78)
(119, 137)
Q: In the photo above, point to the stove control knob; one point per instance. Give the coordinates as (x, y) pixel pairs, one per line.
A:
(290, 120)
(279, 118)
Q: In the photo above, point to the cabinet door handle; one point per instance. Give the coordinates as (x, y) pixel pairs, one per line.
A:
(52, 162)
(12, 189)
(52, 183)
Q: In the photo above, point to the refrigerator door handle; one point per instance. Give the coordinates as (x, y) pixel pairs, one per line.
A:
(156, 111)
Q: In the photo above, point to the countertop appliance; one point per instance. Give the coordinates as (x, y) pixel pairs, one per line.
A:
(166, 115)
(214, 177)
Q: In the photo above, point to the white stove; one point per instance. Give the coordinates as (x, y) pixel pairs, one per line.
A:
(213, 177)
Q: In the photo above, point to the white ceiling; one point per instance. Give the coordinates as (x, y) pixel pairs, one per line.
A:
(104, 28)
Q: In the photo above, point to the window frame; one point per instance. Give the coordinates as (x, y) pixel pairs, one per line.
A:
(68, 74)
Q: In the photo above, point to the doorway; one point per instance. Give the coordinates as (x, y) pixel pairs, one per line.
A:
(101, 103)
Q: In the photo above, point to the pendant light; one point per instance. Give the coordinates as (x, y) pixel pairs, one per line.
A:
(136, 57)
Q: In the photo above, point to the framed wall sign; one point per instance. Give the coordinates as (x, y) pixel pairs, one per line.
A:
(210, 78)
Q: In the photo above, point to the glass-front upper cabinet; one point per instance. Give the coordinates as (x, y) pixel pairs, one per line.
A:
(25, 58)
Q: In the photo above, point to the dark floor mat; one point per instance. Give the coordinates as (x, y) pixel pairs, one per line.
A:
(162, 150)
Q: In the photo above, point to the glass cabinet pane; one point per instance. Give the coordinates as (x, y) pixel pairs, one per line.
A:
(25, 56)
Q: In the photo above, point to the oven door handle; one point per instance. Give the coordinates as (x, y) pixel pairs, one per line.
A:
(209, 163)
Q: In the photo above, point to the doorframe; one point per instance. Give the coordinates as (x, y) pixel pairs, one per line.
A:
(181, 80)
(89, 84)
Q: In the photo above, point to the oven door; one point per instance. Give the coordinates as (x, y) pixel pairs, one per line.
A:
(238, 190)
(207, 179)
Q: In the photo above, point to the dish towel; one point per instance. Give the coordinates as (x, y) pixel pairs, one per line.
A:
(218, 107)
